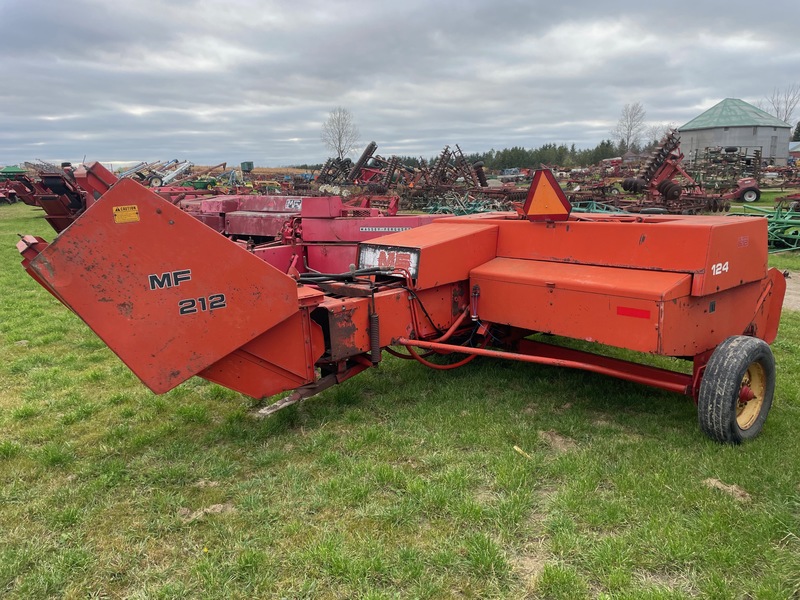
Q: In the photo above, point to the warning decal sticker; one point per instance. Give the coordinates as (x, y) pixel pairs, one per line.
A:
(126, 214)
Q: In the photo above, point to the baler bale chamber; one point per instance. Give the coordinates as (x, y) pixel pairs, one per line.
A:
(174, 298)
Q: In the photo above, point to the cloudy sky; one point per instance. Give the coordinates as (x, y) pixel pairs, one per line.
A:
(254, 80)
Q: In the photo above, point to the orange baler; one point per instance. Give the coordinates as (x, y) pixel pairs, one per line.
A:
(173, 299)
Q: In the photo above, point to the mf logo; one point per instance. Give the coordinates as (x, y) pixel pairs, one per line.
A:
(169, 279)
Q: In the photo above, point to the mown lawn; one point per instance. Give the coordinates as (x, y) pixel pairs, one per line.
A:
(498, 480)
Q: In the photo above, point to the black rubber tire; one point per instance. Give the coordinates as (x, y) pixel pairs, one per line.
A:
(734, 359)
(754, 195)
(674, 191)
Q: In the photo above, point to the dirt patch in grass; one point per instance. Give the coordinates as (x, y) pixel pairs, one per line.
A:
(484, 495)
(669, 581)
(558, 442)
(529, 566)
(205, 483)
(730, 489)
(187, 516)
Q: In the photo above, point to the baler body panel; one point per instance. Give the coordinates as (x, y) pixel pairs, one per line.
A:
(331, 258)
(253, 223)
(672, 285)
(439, 253)
(647, 311)
(280, 359)
(688, 244)
(618, 307)
(358, 229)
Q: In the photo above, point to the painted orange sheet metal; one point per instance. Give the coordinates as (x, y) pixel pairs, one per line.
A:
(648, 311)
(619, 307)
(278, 360)
(722, 252)
(167, 308)
(435, 254)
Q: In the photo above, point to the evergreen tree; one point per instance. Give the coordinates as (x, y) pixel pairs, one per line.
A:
(796, 136)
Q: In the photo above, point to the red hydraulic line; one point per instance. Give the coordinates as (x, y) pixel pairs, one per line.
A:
(453, 327)
(444, 337)
(576, 359)
(431, 365)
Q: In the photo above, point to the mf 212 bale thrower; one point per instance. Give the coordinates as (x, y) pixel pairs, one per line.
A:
(174, 299)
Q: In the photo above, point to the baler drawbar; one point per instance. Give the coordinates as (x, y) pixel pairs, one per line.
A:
(173, 299)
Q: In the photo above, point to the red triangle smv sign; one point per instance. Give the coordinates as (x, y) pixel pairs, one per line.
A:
(546, 200)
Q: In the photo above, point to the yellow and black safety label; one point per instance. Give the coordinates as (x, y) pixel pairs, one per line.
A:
(126, 214)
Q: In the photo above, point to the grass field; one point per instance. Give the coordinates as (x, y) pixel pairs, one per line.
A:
(399, 483)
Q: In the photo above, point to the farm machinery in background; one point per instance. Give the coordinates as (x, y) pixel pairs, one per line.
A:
(186, 301)
(450, 183)
(664, 183)
(159, 174)
(65, 191)
(783, 222)
(293, 232)
(62, 192)
(730, 168)
(13, 186)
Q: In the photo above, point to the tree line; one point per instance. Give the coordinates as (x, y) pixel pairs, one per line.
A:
(560, 155)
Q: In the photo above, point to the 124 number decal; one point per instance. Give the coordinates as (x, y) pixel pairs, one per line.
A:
(719, 268)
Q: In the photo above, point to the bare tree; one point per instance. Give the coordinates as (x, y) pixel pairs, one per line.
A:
(655, 133)
(630, 126)
(782, 102)
(339, 132)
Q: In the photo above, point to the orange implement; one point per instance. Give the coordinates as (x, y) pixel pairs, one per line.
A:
(173, 298)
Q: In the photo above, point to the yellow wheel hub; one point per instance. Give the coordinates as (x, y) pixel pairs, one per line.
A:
(751, 396)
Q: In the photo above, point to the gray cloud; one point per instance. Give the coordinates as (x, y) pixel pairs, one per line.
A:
(248, 80)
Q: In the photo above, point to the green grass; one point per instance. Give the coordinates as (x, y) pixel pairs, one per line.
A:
(399, 483)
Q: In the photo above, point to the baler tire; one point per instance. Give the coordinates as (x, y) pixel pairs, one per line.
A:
(751, 195)
(738, 362)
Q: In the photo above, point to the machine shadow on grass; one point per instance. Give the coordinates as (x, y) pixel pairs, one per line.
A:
(542, 398)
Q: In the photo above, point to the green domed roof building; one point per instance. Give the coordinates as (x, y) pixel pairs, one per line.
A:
(734, 122)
